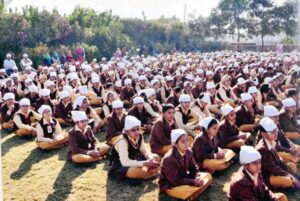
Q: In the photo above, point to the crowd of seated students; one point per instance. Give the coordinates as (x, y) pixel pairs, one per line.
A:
(201, 112)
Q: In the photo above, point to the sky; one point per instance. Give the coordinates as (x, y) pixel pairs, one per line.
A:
(153, 9)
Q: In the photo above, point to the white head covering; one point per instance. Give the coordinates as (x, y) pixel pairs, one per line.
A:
(118, 83)
(32, 88)
(83, 90)
(73, 76)
(117, 104)
(8, 96)
(184, 98)
(130, 122)
(142, 77)
(270, 111)
(138, 100)
(252, 90)
(210, 85)
(226, 109)
(64, 94)
(61, 75)
(206, 98)
(187, 83)
(95, 79)
(24, 101)
(241, 81)
(189, 76)
(28, 80)
(248, 155)
(154, 81)
(205, 122)
(198, 79)
(78, 116)
(209, 72)
(53, 74)
(50, 83)
(268, 124)
(72, 69)
(78, 101)
(169, 78)
(246, 96)
(176, 134)
(44, 92)
(288, 102)
(43, 108)
(127, 81)
(268, 80)
(149, 92)
(68, 89)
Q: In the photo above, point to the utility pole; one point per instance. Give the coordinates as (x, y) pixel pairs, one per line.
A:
(184, 13)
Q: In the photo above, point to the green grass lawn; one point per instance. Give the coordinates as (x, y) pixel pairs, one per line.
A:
(32, 174)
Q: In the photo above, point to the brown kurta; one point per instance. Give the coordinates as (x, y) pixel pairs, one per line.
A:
(204, 148)
(143, 116)
(7, 116)
(126, 94)
(114, 126)
(287, 123)
(41, 102)
(242, 188)
(80, 143)
(271, 164)
(62, 111)
(244, 117)
(161, 135)
(227, 133)
(177, 170)
(173, 100)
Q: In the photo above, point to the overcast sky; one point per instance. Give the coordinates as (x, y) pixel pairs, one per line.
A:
(128, 8)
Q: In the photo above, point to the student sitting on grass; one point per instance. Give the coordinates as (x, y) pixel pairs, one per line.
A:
(115, 122)
(275, 172)
(82, 104)
(228, 133)
(247, 183)
(49, 133)
(129, 157)
(245, 115)
(24, 119)
(287, 119)
(83, 146)
(180, 177)
(139, 111)
(8, 109)
(160, 139)
(208, 156)
(63, 109)
(186, 118)
(286, 149)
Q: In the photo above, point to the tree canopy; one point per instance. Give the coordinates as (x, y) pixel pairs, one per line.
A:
(36, 31)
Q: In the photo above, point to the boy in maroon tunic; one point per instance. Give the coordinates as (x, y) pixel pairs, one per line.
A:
(247, 184)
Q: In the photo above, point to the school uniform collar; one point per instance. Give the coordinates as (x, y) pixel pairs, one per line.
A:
(45, 122)
(249, 174)
(133, 141)
(245, 108)
(183, 110)
(270, 145)
(20, 112)
(229, 122)
(65, 104)
(78, 129)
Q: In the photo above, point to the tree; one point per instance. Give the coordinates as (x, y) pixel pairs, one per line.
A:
(286, 17)
(231, 17)
(262, 19)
